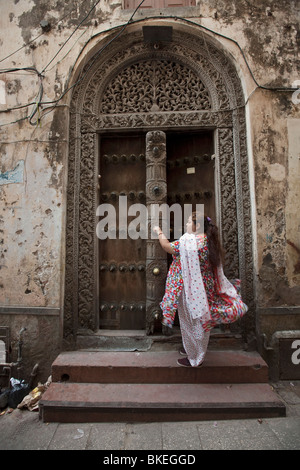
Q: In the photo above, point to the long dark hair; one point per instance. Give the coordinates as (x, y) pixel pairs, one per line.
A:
(216, 253)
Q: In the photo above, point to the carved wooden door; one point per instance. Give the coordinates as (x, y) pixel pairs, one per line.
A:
(152, 169)
(122, 260)
(190, 171)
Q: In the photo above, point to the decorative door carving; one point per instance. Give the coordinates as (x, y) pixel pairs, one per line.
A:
(97, 105)
(156, 193)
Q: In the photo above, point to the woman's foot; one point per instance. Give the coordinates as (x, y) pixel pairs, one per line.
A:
(186, 363)
(182, 351)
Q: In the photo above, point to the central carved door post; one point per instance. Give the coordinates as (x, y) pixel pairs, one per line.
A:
(156, 258)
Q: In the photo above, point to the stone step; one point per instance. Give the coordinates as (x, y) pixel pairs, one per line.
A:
(94, 402)
(158, 367)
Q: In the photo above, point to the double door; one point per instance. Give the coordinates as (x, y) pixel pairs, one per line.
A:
(138, 171)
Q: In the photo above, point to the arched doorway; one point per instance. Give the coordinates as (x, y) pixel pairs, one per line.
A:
(133, 90)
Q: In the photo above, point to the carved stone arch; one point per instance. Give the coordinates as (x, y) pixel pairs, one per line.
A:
(225, 114)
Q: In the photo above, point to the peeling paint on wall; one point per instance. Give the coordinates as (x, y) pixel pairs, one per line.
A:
(13, 176)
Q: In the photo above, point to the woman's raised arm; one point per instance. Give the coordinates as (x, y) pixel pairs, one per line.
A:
(164, 242)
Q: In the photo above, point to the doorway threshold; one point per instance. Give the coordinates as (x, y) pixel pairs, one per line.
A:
(127, 340)
(138, 340)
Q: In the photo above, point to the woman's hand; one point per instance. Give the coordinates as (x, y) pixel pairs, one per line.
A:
(157, 229)
(164, 242)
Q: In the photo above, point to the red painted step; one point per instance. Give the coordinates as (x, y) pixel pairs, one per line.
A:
(69, 402)
(150, 386)
(158, 367)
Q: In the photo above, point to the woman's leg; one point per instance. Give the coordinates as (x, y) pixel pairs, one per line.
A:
(194, 338)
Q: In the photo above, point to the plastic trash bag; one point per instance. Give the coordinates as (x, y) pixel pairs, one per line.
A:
(4, 398)
(19, 389)
(31, 401)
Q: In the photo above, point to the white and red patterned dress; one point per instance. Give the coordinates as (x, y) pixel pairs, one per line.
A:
(222, 307)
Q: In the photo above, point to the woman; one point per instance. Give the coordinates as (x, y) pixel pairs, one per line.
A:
(197, 288)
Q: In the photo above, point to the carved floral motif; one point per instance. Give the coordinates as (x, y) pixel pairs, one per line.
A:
(152, 86)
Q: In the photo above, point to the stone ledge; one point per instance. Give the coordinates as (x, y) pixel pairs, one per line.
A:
(285, 310)
(11, 310)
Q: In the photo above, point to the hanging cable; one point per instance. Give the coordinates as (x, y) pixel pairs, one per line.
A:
(67, 40)
(67, 53)
(242, 52)
(20, 48)
(36, 109)
(38, 103)
(31, 41)
(177, 18)
(55, 102)
(27, 69)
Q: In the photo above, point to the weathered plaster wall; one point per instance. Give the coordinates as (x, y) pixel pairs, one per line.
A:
(276, 194)
(34, 158)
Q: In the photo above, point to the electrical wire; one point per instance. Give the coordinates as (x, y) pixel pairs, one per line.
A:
(55, 102)
(27, 69)
(38, 99)
(67, 53)
(36, 109)
(67, 40)
(22, 47)
(168, 17)
(243, 55)
(32, 40)
(38, 103)
(17, 69)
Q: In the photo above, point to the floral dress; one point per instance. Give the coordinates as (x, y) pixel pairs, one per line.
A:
(223, 308)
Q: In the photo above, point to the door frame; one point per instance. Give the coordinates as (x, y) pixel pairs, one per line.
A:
(226, 117)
